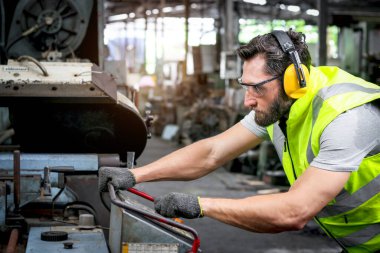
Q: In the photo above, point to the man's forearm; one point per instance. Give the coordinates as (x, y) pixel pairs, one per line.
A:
(267, 213)
(199, 158)
(188, 163)
(282, 211)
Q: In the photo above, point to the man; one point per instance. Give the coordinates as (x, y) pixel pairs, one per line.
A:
(325, 127)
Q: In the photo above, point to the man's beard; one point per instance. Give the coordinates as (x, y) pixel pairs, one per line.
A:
(277, 109)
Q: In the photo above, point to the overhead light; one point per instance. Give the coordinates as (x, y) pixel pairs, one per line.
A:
(282, 6)
(260, 2)
(194, 5)
(167, 9)
(132, 15)
(293, 8)
(242, 21)
(155, 11)
(118, 17)
(179, 7)
(312, 12)
(148, 12)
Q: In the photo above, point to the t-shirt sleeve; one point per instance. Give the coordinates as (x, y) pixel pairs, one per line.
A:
(349, 138)
(249, 122)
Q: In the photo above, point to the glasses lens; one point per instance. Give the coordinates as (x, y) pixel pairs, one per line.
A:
(259, 90)
(254, 89)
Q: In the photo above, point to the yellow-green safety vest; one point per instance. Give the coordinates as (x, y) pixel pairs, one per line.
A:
(353, 217)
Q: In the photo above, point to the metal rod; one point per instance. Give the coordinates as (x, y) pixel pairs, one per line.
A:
(186, 3)
(141, 194)
(155, 217)
(16, 178)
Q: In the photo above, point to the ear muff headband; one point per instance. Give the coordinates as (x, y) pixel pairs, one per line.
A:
(296, 75)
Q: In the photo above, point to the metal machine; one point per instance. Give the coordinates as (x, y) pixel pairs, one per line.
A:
(61, 119)
(68, 120)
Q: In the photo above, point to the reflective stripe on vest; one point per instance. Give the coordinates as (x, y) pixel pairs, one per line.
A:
(351, 201)
(361, 236)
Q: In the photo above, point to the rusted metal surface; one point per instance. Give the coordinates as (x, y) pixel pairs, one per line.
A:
(103, 80)
(67, 80)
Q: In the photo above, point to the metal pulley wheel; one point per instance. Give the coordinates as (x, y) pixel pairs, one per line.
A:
(48, 29)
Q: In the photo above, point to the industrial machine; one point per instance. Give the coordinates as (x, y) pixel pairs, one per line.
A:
(61, 119)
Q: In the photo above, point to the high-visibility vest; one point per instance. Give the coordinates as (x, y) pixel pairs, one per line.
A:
(353, 217)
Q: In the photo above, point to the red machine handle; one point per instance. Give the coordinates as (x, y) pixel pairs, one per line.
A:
(141, 194)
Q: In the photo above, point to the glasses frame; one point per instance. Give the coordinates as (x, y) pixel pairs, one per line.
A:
(255, 85)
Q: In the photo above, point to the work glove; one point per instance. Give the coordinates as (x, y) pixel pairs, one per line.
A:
(120, 178)
(178, 205)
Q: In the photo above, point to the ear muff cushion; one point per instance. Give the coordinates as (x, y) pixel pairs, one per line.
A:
(291, 83)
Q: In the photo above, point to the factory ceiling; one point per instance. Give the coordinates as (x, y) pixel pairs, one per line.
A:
(340, 12)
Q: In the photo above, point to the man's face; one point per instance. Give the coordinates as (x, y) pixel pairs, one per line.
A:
(269, 101)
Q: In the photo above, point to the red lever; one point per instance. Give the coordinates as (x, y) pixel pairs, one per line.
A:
(141, 194)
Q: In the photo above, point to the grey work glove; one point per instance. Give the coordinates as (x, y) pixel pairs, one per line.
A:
(178, 205)
(120, 178)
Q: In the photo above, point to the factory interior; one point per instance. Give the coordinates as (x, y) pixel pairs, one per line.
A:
(86, 84)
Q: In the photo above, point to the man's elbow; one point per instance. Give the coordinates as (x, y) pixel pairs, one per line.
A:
(297, 220)
(298, 225)
(290, 225)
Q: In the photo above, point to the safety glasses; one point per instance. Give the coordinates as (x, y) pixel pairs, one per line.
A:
(256, 87)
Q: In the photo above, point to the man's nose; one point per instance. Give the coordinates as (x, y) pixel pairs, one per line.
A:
(249, 99)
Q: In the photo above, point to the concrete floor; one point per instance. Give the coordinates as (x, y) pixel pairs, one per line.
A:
(217, 237)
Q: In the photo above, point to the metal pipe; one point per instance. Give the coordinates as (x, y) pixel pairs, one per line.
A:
(16, 178)
(186, 3)
(110, 160)
(12, 243)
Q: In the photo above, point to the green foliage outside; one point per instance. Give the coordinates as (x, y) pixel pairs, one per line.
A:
(250, 28)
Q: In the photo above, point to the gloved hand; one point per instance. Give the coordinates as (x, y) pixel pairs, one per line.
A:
(121, 178)
(178, 205)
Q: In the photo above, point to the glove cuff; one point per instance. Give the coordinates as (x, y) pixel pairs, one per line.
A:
(132, 177)
(201, 214)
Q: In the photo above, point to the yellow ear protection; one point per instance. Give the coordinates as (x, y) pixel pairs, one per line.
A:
(296, 75)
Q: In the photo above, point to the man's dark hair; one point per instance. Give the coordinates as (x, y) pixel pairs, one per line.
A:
(277, 60)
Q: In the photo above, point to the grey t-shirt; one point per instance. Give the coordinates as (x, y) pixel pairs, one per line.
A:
(344, 143)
